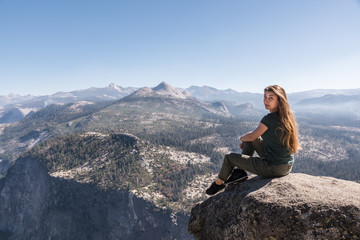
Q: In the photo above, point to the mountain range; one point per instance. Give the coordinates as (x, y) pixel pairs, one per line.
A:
(14, 107)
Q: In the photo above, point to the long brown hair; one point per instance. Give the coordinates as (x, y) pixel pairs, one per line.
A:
(288, 129)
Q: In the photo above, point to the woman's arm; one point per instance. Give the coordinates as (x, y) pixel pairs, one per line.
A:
(254, 134)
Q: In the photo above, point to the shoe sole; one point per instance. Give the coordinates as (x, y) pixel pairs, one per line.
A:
(237, 180)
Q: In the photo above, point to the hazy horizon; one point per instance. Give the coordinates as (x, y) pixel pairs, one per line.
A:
(108, 85)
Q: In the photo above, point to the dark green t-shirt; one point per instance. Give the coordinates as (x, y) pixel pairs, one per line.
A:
(275, 152)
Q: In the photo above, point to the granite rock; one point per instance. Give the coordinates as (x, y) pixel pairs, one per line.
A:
(297, 206)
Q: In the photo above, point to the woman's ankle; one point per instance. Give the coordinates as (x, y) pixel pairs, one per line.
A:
(219, 182)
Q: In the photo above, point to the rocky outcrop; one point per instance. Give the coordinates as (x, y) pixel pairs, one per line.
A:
(297, 206)
(34, 205)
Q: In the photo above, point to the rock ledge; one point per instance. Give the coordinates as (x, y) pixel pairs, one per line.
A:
(297, 206)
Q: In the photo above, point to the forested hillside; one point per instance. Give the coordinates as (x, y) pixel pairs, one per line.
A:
(173, 167)
(162, 164)
(329, 150)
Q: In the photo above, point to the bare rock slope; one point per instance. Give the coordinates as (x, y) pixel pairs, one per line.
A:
(297, 206)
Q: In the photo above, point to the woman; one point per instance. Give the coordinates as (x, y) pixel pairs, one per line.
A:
(275, 141)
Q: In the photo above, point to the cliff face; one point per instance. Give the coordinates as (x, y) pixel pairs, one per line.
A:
(34, 205)
(297, 206)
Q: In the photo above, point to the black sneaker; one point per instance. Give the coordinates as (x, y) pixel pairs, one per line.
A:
(236, 176)
(214, 188)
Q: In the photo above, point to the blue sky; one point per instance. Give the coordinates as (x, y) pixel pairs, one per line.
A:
(63, 45)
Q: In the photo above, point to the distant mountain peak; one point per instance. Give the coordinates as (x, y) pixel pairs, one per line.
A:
(163, 90)
(112, 85)
(166, 89)
(163, 86)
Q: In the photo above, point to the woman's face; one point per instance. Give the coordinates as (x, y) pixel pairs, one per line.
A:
(271, 101)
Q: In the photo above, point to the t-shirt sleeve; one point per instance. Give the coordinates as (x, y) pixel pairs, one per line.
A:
(266, 120)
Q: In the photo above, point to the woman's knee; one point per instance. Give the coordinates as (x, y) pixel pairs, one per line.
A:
(227, 157)
(232, 158)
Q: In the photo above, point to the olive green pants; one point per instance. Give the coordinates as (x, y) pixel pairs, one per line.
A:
(256, 165)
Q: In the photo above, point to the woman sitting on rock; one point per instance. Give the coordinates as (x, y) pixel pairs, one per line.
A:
(275, 141)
